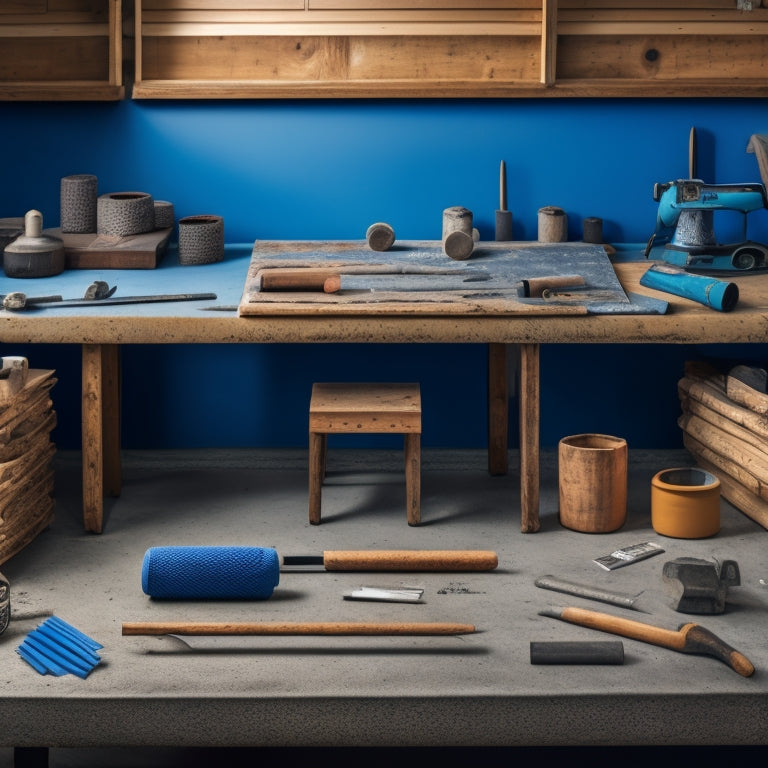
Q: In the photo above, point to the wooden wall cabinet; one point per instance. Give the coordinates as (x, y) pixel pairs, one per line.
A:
(203, 49)
(61, 50)
(450, 48)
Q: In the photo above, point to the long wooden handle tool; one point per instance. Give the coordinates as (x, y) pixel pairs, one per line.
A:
(438, 560)
(689, 638)
(295, 628)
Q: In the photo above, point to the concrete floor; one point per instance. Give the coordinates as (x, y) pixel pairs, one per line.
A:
(189, 497)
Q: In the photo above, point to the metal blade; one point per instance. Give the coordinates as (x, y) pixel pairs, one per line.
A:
(113, 300)
(592, 593)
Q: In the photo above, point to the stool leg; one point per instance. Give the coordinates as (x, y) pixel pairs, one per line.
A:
(413, 477)
(317, 451)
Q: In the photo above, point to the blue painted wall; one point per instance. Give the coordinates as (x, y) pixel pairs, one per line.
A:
(327, 169)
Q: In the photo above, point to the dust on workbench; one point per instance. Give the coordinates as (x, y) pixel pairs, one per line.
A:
(488, 282)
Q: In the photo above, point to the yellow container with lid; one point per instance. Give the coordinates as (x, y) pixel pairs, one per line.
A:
(685, 503)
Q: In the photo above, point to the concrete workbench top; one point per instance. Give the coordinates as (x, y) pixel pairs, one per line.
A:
(473, 690)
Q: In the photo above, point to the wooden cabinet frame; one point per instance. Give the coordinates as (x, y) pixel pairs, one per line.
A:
(61, 50)
(450, 48)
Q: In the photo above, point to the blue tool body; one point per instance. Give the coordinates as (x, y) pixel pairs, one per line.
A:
(685, 225)
(709, 291)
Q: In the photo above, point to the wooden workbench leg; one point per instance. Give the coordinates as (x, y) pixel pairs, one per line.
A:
(530, 406)
(100, 429)
(498, 410)
(413, 477)
(111, 399)
(318, 449)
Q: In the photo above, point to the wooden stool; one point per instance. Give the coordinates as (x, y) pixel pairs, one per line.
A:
(365, 408)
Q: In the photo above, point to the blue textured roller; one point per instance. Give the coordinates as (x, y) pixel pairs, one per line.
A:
(210, 573)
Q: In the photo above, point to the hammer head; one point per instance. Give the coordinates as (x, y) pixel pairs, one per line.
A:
(699, 586)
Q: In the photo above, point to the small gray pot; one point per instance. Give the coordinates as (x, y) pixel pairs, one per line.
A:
(34, 254)
(201, 239)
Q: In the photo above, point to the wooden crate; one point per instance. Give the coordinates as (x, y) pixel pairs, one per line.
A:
(725, 429)
(449, 48)
(26, 457)
(61, 50)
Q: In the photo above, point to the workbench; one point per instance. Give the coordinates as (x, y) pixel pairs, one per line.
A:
(479, 690)
(101, 332)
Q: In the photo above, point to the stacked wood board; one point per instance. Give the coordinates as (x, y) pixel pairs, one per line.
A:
(725, 427)
(26, 454)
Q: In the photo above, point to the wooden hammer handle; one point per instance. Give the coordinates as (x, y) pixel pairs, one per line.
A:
(410, 560)
(618, 625)
(690, 638)
(294, 628)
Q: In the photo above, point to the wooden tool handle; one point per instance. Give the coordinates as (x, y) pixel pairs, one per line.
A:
(332, 284)
(701, 640)
(410, 560)
(306, 279)
(690, 638)
(617, 625)
(534, 286)
(294, 628)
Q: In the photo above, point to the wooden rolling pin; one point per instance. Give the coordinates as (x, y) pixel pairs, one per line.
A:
(294, 628)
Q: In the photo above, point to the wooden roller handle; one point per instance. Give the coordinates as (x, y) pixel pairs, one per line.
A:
(410, 560)
(294, 628)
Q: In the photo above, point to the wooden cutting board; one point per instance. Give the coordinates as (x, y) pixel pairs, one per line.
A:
(495, 272)
(94, 251)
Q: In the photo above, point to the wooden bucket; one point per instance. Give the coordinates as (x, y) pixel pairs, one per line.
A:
(592, 471)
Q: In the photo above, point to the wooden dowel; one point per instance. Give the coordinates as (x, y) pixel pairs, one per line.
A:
(304, 279)
(294, 628)
(410, 560)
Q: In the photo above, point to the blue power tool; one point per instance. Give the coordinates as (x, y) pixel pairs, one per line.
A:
(685, 233)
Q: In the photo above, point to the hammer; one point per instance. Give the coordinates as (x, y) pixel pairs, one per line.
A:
(689, 638)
